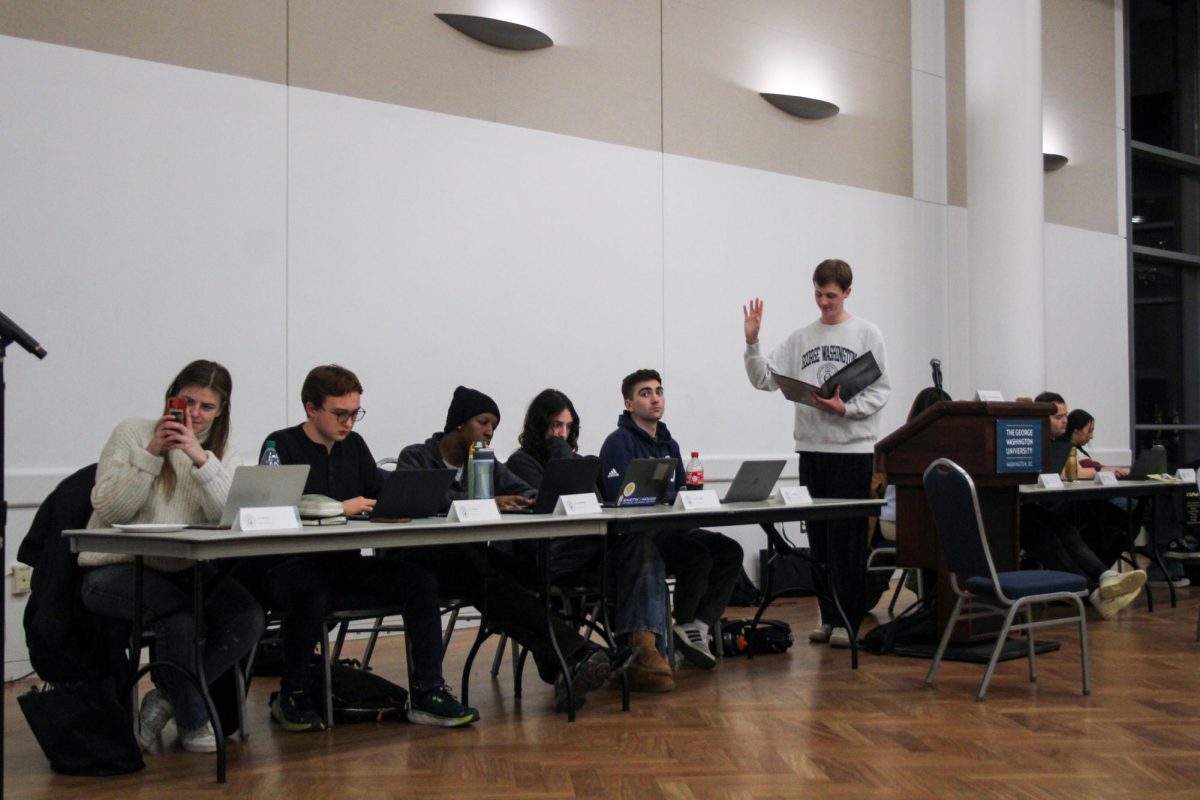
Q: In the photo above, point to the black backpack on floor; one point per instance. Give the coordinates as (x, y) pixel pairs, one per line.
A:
(771, 636)
(359, 695)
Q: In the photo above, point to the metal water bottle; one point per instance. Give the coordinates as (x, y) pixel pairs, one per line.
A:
(1072, 468)
(481, 470)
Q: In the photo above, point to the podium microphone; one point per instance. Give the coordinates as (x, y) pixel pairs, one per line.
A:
(936, 365)
(13, 332)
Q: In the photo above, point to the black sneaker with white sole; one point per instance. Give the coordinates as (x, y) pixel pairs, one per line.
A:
(437, 706)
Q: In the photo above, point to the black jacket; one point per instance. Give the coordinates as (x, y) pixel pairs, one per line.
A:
(530, 467)
(66, 642)
(428, 456)
(628, 442)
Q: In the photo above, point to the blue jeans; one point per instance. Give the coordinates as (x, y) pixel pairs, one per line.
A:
(233, 621)
(636, 570)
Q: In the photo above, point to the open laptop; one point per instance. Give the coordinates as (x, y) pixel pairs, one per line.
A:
(413, 494)
(1057, 455)
(754, 480)
(260, 487)
(564, 476)
(1149, 462)
(645, 482)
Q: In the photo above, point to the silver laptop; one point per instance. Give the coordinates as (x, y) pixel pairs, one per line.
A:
(260, 487)
(754, 480)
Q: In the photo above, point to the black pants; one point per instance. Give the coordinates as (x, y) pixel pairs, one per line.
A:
(497, 584)
(706, 566)
(305, 589)
(840, 544)
(1056, 544)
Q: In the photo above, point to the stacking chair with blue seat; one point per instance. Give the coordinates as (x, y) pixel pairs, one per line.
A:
(956, 514)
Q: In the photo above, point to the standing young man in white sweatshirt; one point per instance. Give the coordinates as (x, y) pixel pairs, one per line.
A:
(835, 440)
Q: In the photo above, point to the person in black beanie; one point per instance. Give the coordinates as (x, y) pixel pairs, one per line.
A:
(491, 579)
(472, 417)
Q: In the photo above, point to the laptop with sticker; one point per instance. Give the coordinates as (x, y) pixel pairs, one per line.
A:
(645, 482)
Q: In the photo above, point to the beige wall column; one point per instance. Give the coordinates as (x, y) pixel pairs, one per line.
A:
(1005, 195)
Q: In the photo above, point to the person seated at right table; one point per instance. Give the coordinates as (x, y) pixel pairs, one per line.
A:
(1050, 537)
(173, 469)
(1081, 428)
(488, 578)
(551, 430)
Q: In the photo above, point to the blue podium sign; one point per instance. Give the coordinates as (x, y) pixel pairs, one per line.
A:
(1018, 445)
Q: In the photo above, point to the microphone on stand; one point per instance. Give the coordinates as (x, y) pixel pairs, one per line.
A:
(14, 333)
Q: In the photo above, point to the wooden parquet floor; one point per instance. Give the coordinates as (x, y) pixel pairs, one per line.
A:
(784, 726)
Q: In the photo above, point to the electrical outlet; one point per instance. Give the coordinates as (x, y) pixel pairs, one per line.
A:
(22, 575)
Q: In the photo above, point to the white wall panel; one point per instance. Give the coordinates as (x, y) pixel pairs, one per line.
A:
(1087, 339)
(141, 227)
(733, 234)
(428, 250)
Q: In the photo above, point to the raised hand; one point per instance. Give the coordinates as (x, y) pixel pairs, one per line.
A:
(752, 314)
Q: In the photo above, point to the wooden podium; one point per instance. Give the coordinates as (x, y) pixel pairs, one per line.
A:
(966, 433)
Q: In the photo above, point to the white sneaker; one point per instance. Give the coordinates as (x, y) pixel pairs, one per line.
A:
(1115, 584)
(1110, 607)
(691, 640)
(201, 740)
(155, 713)
(839, 637)
(820, 635)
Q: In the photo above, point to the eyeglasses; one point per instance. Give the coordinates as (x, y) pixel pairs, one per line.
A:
(346, 416)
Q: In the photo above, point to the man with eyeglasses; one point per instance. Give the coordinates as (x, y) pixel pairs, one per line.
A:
(305, 588)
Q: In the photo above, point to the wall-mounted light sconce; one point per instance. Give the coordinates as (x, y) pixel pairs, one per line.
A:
(497, 32)
(803, 107)
(1053, 161)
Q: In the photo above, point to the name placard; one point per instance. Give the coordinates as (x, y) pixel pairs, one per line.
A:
(795, 495)
(1050, 480)
(704, 498)
(575, 505)
(1105, 478)
(473, 511)
(268, 518)
(1185, 475)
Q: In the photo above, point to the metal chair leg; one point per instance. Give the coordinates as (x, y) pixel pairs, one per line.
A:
(1000, 640)
(1032, 648)
(370, 651)
(937, 657)
(896, 594)
(498, 658)
(323, 645)
(1083, 647)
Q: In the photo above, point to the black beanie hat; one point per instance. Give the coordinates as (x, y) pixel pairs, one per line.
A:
(468, 403)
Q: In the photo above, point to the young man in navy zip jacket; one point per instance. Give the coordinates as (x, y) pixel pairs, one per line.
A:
(706, 565)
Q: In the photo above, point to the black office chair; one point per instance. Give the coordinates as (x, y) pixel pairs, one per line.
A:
(973, 577)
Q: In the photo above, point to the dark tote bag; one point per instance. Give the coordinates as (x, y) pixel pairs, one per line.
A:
(82, 728)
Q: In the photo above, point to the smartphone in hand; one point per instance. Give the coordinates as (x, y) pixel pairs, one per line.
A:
(177, 408)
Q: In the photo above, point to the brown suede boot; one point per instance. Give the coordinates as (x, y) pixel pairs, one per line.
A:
(649, 671)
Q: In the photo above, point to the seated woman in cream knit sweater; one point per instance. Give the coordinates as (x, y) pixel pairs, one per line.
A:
(163, 470)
